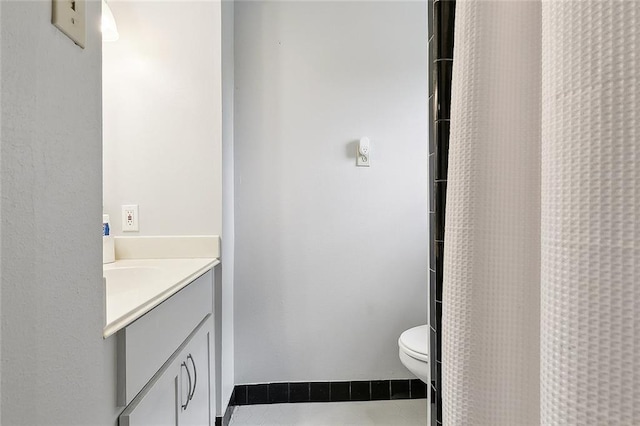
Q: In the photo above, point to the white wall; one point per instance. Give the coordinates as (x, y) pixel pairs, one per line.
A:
(56, 368)
(331, 260)
(162, 116)
(228, 226)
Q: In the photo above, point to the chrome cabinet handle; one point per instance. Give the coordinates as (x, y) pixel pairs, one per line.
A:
(185, 405)
(195, 377)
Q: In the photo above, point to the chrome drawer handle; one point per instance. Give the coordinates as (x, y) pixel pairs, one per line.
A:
(185, 405)
(195, 377)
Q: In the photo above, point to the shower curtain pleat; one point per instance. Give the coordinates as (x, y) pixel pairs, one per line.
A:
(541, 292)
(590, 329)
(492, 234)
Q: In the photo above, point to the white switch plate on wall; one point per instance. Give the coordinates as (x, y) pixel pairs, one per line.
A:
(70, 17)
(130, 218)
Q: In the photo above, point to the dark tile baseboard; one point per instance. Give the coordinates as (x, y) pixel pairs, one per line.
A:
(224, 421)
(361, 390)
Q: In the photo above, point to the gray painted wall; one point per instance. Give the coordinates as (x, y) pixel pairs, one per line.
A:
(331, 260)
(56, 368)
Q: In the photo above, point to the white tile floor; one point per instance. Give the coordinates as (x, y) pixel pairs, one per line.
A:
(406, 412)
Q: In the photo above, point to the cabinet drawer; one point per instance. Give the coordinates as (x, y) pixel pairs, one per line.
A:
(145, 345)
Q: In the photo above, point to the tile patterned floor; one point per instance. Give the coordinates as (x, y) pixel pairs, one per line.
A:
(409, 412)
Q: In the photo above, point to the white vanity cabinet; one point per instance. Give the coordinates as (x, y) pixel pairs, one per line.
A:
(180, 393)
(165, 361)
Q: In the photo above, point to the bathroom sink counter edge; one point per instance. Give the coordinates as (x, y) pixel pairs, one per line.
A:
(133, 287)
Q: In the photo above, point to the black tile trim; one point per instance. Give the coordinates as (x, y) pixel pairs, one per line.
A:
(240, 395)
(441, 15)
(440, 189)
(356, 390)
(443, 18)
(278, 392)
(226, 419)
(299, 392)
(438, 255)
(320, 391)
(432, 287)
(432, 179)
(257, 394)
(441, 162)
(339, 391)
(418, 389)
(442, 91)
(380, 390)
(432, 125)
(400, 389)
(360, 391)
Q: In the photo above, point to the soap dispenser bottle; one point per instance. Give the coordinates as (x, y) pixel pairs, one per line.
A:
(108, 247)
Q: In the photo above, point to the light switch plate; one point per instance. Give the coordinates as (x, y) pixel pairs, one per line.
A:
(70, 17)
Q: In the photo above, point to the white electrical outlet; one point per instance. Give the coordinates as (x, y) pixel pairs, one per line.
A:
(70, 17)
(363, 155)
(130, 218)
(362, 160)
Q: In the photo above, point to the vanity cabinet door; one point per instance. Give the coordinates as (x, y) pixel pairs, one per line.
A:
(196, 355)
(157, 407)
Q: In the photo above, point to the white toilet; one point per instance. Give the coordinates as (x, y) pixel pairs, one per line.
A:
(413, 352)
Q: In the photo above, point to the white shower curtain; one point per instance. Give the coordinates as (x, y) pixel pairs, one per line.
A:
(541, 311)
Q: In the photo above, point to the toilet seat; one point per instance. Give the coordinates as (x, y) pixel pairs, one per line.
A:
(413, 342)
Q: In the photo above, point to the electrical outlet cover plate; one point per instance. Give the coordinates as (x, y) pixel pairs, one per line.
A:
(363, 160)
(70, 17)
(130, 218)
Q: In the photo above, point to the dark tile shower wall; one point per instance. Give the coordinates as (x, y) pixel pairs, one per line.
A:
(441, 17)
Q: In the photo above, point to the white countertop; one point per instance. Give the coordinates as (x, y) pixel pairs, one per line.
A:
(134, 287)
